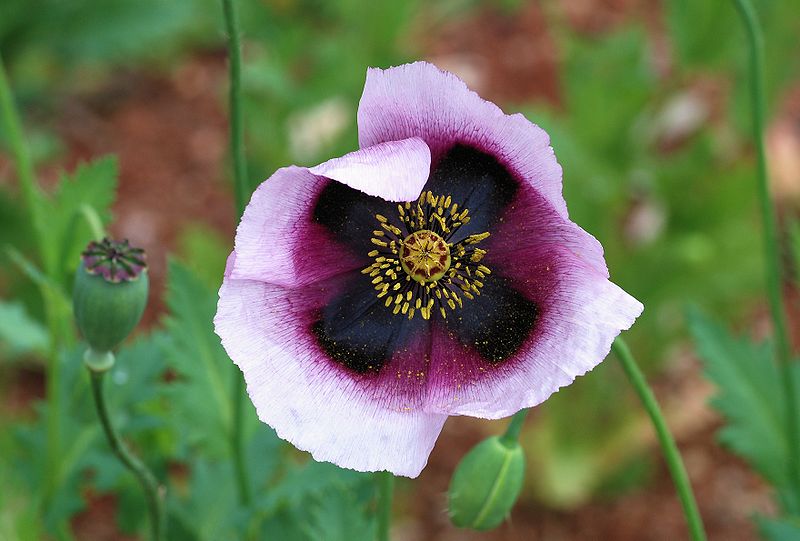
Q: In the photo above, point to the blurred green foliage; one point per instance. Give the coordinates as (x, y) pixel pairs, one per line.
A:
(779, 530)
(73, 44)
(187, 418)
(20, 334)
(708, 37)
(751, 398)
(673, 205)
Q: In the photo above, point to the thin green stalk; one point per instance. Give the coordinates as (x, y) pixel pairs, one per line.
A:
(668, 447)
(241, 192)
(93, 220)
(89, 215)
(12, 126)
(385, 497)
(515, 426)
(235, 105)
(237, 439)
(53, 395)
(153, 493)
(32, 197)
(755, 42)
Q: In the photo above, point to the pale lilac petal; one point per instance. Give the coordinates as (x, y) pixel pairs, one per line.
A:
(530, 229)
(395, 171)
(558, 267)
(265, 330)
(420, 100)
(581, 314)
(277, 240)
(230, 262)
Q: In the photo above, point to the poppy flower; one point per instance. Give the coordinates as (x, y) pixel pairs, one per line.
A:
(433, 272)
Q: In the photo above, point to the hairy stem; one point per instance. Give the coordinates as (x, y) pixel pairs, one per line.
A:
(241, 192)
(385, 497)
(774, 280)
(668, 447)
(153, 494)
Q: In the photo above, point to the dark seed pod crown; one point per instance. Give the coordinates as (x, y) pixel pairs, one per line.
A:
(113, 260)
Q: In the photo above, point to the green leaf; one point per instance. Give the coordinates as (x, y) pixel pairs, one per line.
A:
(201, 394)
(19, 333)
(20, 518)
(203, 251)
(78, 436)
(315, 501)
(99, 30)
(779, 529)
(30, 270)
(703, 32)
(210, 510)
(133, 393)
(93, 185)
(750, 397)
(338, 516)
(608, 83)
(307, 481)
(15, 228)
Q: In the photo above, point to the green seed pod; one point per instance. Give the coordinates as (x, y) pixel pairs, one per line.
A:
(486, 484)
(110, 292)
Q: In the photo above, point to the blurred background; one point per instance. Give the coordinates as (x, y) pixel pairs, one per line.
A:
(646, 104)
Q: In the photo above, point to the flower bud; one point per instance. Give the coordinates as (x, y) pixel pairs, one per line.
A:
(110, 292)
(486, 484)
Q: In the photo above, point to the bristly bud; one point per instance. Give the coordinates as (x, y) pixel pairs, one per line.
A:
(110, 292)
(486, 484)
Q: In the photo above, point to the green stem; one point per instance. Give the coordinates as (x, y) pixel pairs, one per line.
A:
(153, 493)
(93, 220)
(771, 236)
(514, 427)
(90, 217)
(235, 105)
(668, 447)
(237, 439)
(12, 126)
(241, 193)
(385, 497)
(32, 196)
(53, 392)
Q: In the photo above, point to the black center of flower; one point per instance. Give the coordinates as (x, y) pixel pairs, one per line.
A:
(369, 321)
(417, 268)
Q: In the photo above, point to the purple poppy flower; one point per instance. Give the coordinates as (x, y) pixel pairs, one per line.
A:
(433, 272)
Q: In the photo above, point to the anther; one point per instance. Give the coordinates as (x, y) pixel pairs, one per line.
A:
(420, 273)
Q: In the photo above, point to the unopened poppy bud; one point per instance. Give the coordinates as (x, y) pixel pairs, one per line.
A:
(486, 484)
(110, 292)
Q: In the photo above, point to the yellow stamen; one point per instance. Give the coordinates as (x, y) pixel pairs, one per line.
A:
(418, 271)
